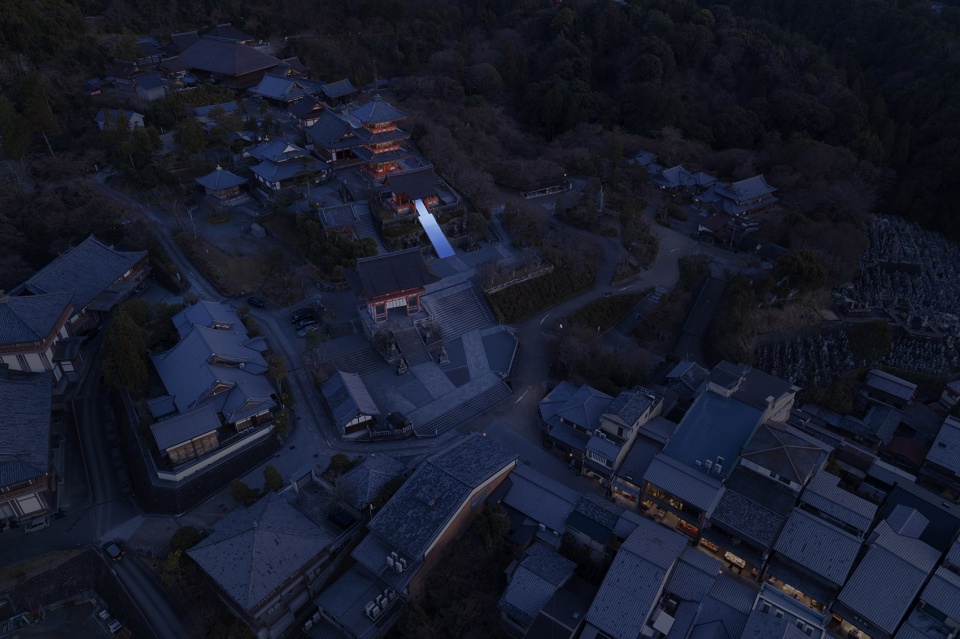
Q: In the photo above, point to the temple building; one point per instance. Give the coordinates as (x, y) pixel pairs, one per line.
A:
(380, 147)
(221, 184)
(394, 280)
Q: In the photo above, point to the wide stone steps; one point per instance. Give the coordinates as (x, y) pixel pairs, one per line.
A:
(410, 344)
(605, 272)
(465, 412)
(459, 312)
(363, 361)
(366, 228)
(638, 312)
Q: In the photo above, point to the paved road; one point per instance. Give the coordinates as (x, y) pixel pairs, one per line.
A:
(108, 507)
(148, 594)
(315, 439)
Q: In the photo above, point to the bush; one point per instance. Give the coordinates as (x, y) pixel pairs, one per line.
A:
(528, 298)
(281, 423)
(185, 538)
(492, 525)
(272, 481)
(604, 312)
(387, 492)
(243, 493)
(692, 268)
(339, 464)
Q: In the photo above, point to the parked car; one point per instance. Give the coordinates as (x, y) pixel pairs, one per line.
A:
(303, 332)
(113, 550)
(307, 322)
(301, 314)
(256, 301)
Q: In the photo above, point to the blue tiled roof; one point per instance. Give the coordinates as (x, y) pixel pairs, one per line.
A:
(818, 546)
(207, 314)
(87, 270)
(540, 498)
(595, 517)
(629, 406)
(569, 436)
(824, 493)
(278, 87)
(423, 506)
(225, 57)
(254, 550)
(31, 318)
(694, 575)
(347, 397)
(365, 480)
(692, 486)
(585, 407)
(25, 428)
(891, 384)
(377, 111)
(715, 426)
(943, 593)
(555, 399)
(338, 89)
(222, 368)
(603, 446)
(753, 507)
(172, 432)
(945, 451)
(634, 581)
(536, 579)
(332, 131)
(889, 577)
(943, 515)
(728, 604)
(220, 179)
(638, 460)
(779, 448)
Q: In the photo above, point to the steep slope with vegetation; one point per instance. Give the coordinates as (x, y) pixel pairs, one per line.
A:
(838, 103)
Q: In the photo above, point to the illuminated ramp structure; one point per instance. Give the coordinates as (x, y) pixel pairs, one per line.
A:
(429, 223)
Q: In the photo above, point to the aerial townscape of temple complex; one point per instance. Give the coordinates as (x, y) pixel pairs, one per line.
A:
(312, 386)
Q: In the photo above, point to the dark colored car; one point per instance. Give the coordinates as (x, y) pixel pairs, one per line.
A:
(256, 301)
(113, 550)
(301, 314)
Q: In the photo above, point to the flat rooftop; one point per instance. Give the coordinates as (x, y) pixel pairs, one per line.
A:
(715, 426)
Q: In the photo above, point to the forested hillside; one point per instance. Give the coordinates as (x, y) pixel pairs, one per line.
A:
(783, 80)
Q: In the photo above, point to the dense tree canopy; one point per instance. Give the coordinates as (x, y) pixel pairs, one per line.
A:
(880, 80)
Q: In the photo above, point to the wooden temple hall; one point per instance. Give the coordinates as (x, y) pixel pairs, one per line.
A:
(394, 280)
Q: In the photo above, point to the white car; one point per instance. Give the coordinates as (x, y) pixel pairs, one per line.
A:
(308, 329)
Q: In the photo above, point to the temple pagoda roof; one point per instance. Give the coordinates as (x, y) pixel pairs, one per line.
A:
(384, 275)
(376, 111)
(372, 157)
(220, 179)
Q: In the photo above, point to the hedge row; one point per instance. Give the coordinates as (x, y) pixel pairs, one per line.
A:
(528, 298)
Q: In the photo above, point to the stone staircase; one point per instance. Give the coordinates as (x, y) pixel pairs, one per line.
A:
(459, 311)
(605, 272)
(365, 227)
(355, 190)
(465, 412)
(638, 312)
(411, 345)
(363, 361)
